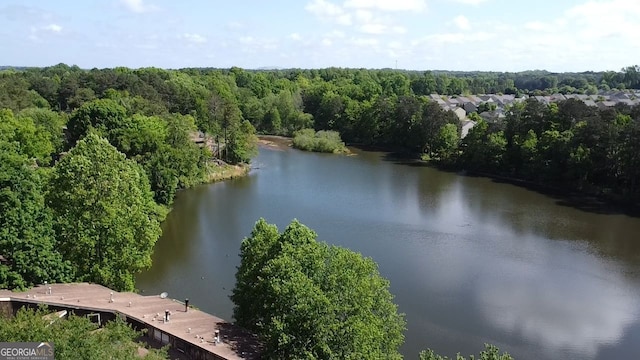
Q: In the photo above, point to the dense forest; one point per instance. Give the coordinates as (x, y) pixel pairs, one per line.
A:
(90, 161)
(88, 154)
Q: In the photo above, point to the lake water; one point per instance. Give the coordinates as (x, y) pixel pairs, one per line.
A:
(470, 261)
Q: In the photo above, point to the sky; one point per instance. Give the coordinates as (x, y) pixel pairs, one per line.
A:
(467, 35)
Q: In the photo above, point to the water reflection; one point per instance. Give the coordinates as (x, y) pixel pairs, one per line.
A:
(470, 261)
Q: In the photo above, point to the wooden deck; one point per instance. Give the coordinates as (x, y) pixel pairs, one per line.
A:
(193, 327)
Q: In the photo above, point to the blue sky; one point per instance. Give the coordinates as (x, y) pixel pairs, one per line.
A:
(498, 35)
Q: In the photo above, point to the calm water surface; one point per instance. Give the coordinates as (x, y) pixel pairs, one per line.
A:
(470, 261)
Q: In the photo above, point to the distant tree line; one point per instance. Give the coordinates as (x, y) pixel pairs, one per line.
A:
(568, 144)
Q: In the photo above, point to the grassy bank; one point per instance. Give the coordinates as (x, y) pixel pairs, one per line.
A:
(219, 171)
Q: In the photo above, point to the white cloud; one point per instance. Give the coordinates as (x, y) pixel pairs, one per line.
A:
(605, 20)
(327, 42)
(235, 25)
(583, 314)
(246, 39)
(194, 38)
(536, 26)
(380, 29)
(364, 15)
(470, 2)
(35, 32)
(53, 28)
(462, 22)
(336, 34)
(138, 6)
(295, 36)
(455, 38)
(255, 45)
(364, 42)
(387, 5)
(327, 10)
(375, 29)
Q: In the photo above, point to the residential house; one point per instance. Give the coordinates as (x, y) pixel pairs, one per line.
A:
(470, 107)
(460, 113)
(466, 126)
(606, 104)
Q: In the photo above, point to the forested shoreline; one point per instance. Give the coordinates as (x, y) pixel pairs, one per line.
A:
(92, 159)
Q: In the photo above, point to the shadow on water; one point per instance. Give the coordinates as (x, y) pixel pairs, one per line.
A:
(576, 200)
(562, 197)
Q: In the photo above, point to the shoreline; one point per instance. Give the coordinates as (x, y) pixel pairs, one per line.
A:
(221, 171)
(275, 142)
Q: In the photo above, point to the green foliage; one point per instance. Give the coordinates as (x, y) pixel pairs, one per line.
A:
(16, 95)
(321, 141)
(48, 122)
(483, 150)
(107, 222)
(272, 121)
(26, 233)
(139, 135)
(150, 114)
(241, 145)
(101, 115)
(490, 352)
(76, 337)
(447, 141)
(309, 300)
(31, 140)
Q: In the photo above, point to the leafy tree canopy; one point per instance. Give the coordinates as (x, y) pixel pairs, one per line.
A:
(107, 221)
(309, 300)
(27, 239)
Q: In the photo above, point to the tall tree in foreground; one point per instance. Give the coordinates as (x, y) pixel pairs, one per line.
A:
(26, 234)
(310, 300)
(107, 221)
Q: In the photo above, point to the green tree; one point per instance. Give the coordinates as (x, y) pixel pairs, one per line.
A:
(140, 135)
(26, 226)
(309, 300)
(107, 221)
(177, 163)
(272, 122)
(15, 93)
(483, 150)
(447, 141)
(48, 121)
(102, 115)
(241, 145)
(31, 140)
(77, 337)
(321, 141)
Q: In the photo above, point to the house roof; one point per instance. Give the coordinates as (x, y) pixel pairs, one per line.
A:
(461, 113)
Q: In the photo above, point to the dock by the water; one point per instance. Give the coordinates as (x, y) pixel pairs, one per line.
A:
(189, 331)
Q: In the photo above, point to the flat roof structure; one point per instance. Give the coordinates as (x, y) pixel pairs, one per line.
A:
(191, 330)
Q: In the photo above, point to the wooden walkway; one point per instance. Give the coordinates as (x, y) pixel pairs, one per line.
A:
(193, 326)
